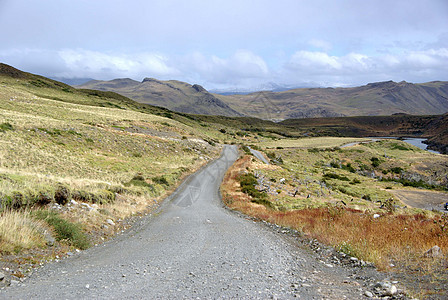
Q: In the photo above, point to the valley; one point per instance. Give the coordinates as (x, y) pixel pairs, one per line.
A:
(85, 172)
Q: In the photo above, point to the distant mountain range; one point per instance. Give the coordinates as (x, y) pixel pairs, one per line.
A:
(174, 95)
(434, 127)
(381, 98)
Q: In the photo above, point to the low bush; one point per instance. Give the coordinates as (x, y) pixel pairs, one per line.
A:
(6, 126)
(160, 180)
(65, 231)
(375, 162)
(248, 182)
(334, 176)
(62, 195)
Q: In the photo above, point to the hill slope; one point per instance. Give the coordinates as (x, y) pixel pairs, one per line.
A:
(174, 95)
(374, 99)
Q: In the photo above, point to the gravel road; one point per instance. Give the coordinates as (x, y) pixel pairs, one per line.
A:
(259, 155)
(192, 248)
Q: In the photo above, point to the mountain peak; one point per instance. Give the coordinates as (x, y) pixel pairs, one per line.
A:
(147, 79)
(198, 88)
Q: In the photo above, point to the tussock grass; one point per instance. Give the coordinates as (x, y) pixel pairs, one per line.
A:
(69, 232)
(18, 231)
(392, 238)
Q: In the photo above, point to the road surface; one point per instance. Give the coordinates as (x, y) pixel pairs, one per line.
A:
(193, 248)
(259, 155)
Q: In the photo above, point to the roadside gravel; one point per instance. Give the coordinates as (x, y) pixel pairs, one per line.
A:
(195, 248)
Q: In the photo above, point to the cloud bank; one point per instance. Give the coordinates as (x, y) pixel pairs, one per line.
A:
(229, 43)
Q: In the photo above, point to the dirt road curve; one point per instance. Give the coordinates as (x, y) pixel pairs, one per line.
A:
(194, 248)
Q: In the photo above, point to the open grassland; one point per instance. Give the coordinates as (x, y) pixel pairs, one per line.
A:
(73, 163)
(315, 142)
(344, 197)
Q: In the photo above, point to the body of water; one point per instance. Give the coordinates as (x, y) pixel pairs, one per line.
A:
(418, 142)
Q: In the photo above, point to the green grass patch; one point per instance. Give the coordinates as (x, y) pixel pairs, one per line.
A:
(248, 182)
(334, 176)
(6, 126)
(66, 231)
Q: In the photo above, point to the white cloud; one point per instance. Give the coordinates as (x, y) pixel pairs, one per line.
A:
(85, 63)
(321, 44)
(357, 68)
(242, 66)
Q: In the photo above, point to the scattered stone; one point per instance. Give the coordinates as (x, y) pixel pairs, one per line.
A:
(433, 252)
(391, 291)
(2, 276)
(69, 253)
(73, 202)
(368, 294)
(14, 282)
(110, 222)
(375, 216)
(87, 286)
(49, 239)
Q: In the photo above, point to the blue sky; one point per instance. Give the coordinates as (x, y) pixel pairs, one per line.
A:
(229, 44)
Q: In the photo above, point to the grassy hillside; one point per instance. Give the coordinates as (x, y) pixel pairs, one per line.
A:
(174, 95)
(86, 159)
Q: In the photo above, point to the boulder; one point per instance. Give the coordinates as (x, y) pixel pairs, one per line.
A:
(433, 252)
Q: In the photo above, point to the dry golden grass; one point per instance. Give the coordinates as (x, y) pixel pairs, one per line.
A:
(315, 142)
(18, 230)
(388, 239)
(66, 138)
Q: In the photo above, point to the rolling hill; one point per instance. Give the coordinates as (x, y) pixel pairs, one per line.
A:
(174, 95)
(374, 99)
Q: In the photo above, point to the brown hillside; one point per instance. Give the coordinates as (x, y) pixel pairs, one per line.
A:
(174, 95)
(374, 99)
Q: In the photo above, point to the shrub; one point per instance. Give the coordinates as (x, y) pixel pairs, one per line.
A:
(5, 126)
(313, 150)
(334, 164)
(355, 181)
(168, 115)
(160, 180)
(348, 167)
(375, 162)
(248, 182)
(396, 170)
(334, 176)
(62, 195)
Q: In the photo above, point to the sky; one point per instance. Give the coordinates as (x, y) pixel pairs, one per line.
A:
(231, 44)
